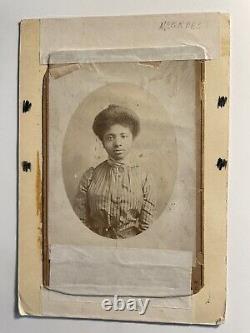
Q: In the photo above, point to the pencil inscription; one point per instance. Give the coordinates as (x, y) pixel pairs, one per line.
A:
(181, 25)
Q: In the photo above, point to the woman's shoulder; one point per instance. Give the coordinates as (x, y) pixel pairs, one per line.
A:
(86, 178)
(100, 166)
(138, 167)
(90, 172)
(147, 179)
(141, 172)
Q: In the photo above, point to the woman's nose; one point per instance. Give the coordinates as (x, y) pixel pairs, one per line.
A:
(117, 142)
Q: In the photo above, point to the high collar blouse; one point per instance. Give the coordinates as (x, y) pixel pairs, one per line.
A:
(116, 200)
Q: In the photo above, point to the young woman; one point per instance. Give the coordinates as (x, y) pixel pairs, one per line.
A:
(116, 199)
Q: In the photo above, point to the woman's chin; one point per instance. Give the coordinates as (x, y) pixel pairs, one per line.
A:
(118, 157)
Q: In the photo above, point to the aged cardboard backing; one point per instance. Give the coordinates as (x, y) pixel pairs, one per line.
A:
(208, 305)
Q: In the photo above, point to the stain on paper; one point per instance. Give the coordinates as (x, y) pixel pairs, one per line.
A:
(221, 102)
(26, 106)
(221, 163)
(26, 166)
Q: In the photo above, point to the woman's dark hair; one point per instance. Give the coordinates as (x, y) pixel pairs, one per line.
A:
(115, 114)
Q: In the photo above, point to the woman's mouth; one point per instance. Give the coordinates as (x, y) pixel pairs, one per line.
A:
(118, 151)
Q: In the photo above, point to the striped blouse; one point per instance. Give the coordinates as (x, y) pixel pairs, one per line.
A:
(116, 200)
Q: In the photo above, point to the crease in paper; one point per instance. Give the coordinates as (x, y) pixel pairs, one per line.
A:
(120, 271)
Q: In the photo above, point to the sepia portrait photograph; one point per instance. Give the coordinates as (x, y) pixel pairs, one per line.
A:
(123, 162)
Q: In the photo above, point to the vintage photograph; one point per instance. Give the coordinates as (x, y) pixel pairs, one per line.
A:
(123, 159)
(122, 163)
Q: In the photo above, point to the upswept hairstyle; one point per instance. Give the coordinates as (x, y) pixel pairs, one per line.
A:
(115, 114)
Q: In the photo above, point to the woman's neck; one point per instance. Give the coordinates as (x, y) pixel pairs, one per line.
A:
(114, 162)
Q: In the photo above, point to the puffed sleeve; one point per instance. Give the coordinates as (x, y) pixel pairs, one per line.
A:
(80, 203)
(148, 208)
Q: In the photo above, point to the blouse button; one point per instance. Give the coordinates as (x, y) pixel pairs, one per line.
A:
(122, 219)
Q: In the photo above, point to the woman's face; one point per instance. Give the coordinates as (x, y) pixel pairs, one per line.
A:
(118, 141)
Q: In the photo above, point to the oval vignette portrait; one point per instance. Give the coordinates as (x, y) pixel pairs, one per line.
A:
(119, 160)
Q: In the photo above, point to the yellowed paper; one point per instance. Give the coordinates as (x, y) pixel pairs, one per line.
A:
(208, 305)
(133, 38)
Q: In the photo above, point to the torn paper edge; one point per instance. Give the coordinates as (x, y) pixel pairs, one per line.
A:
(183, 52)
